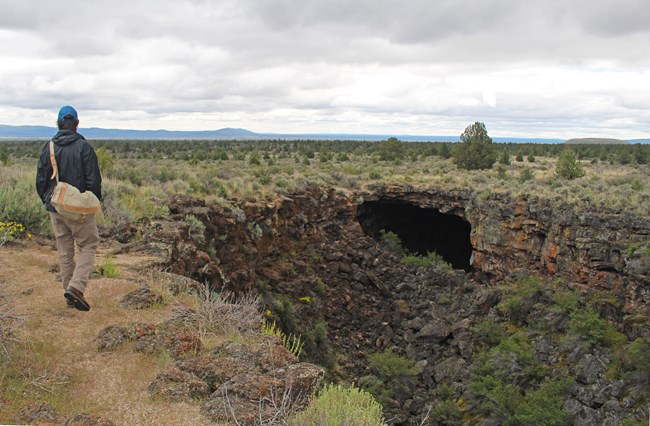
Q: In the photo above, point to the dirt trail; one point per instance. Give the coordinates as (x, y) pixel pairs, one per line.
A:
(66, 370)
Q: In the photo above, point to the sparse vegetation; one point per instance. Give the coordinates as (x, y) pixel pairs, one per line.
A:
(19, 202)
(109, 269)
(292, 342)
(392, 375)
(145, 171)
(431, 259)
(510, 385)
(587, 328)
(219, 314)
(520, 298)
(339, 405)
(196, 229)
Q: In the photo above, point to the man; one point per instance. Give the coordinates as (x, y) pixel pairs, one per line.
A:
(77, 165)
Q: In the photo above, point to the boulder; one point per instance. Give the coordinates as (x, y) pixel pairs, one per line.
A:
(177, 385)
(140, 298)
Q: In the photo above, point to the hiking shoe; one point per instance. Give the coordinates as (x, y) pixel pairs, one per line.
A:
(69, 304)
(77, 299)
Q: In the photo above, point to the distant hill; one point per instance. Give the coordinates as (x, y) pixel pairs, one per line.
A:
(45, 132)
(596, 141)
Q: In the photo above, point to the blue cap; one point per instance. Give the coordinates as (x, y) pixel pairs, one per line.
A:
(67, 110)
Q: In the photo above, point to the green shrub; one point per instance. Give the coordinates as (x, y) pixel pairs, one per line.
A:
(446, 413)
(319, 344)
(284, 310)
(140, 207)
(526, 174)
(543, 406)
(4, 156)
(636, 367)
(568, 166)
(109, 269)
(336, 405)
(105, 160)
(343, 157)
(638, 356)
(637, 185)
(391, 149)
(392, 242)
(19, 202)
(506, 386)
(589, 329)
(511, 361)
(504, 157)
(502, 173)
(495, 397)
(165, 174)
(392, 374)
(431, 259)
(196, 229)
(489, 332)
(521, 297)
(557, 314)
(445, 151)
(390, 366)
(254, 159)
(129, 171)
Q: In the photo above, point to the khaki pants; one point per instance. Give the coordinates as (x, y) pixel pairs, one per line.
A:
(68, 232)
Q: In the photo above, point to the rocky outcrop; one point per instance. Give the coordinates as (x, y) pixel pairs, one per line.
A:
(234, 382)
(140, 298)
(322, 277)
(181, 342)
(541, 234)
(237, 385)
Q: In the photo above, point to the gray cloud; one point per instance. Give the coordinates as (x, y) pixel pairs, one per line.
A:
(540, 66)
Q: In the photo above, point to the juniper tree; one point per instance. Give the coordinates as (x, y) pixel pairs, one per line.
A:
(476, 150)
(568, 166)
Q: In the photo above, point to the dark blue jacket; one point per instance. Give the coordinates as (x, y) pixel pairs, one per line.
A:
(77, 164)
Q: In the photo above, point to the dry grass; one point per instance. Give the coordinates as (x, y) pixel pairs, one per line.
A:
(604, 185)
(56, 360)
(218, 316)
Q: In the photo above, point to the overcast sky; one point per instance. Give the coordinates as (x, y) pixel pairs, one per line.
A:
(526, 68)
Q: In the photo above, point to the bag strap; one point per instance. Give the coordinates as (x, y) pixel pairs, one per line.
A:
(55, 169)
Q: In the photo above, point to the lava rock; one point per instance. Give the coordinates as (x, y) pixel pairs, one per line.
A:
(178, 385)
(589, 368)
(141, 298)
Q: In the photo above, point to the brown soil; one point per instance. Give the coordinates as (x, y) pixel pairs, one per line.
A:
(61, 364)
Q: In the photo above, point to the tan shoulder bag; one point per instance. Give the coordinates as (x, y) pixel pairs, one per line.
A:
(68, 201)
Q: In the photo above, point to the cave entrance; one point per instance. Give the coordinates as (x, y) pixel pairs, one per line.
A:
(421, 230)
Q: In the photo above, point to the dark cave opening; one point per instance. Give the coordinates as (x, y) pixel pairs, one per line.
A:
(421, 230)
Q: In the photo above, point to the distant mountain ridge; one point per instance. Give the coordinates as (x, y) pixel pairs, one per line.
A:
(45, 132)
(596, 141)
(98, 133)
